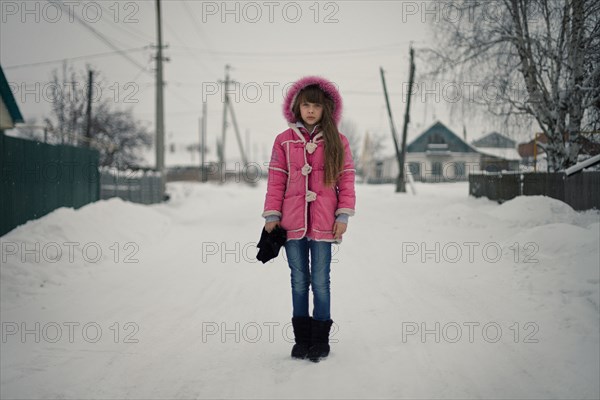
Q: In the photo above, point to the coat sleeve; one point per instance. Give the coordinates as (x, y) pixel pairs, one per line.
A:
(277, 180)
(345, 183)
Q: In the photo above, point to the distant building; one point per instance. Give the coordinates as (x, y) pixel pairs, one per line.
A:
(526, 150)
(437, 155)
(494, 140)
(498, 153)
(9, 110)
(588, 148)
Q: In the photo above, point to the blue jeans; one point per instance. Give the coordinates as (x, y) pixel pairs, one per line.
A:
(317, 276)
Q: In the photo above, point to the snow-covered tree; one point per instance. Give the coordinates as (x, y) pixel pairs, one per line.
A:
(541, 57)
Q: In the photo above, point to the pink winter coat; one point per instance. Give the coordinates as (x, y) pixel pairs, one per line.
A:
(295, 189)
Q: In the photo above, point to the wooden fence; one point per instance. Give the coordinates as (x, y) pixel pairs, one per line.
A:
(581, 190)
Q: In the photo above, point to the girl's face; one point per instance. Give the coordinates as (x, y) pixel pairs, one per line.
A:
(311, 112)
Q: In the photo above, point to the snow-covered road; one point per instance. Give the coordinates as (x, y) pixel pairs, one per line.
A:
(438, 295)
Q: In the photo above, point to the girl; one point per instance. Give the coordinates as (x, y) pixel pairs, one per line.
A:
(310, 193)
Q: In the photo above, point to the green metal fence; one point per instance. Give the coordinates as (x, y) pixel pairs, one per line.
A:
(36, 178)
(136, 186)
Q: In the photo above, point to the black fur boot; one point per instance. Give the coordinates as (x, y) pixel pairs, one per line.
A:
(301, 327)
(319, 337)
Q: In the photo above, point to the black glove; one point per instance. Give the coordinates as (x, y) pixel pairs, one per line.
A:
(270, 243)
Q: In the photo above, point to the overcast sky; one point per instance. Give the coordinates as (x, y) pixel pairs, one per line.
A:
(268, 45)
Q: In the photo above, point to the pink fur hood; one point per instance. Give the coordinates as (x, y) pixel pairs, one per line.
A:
(328, 87)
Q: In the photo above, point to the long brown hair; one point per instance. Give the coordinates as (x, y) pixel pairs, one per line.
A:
(334, 148)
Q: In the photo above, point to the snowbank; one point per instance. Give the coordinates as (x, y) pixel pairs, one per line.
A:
(65, 244)
(411, 273)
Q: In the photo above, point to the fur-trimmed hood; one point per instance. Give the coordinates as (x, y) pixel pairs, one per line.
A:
(328, 87)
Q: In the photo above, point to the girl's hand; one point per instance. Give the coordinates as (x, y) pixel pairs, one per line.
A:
(338, 229)
(269, 226)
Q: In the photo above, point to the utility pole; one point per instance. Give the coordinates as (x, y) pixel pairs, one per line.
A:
(399, 181)
(406, 120)
(203, 144)
(225, 105)
(248, 143)
(239, 138)
(228, 106)
(88, 131)
(219, 149)
(160, 123)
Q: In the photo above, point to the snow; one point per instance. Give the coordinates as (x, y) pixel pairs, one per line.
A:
(584, 164)
(211, 322)
(504, 153)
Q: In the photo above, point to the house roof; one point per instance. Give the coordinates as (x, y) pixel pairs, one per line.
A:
(8, 99)
(499, 152)
(494, 139)
(439, 139)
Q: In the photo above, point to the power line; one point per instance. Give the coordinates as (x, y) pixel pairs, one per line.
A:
(109, 53)
(181, 97)
(100, 36)
(129, 31)
(195, 24)
(137, 75)
(200, 61)
(295, 53)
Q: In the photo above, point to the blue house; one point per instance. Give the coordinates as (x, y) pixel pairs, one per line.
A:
(495, 140)
(436, 155)
(498, 153)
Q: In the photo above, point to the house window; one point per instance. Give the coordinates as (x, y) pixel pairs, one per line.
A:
(436, 144)
(459, 169)
(436, 138)
(492, 167)
(436, 168)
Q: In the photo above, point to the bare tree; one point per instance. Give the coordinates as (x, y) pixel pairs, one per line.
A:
(371, 152)
(68, 108)
(348, 128)
(540, 57)
(118, 136)
(378, 144)
(114, 133)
